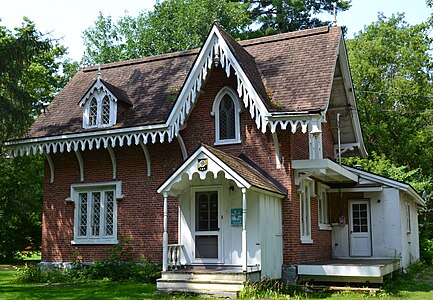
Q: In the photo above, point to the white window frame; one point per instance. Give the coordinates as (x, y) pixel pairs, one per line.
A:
(76, 189)
(408, 219)
(99, 95)
(216, 112)
(322, 207)
(306, 191)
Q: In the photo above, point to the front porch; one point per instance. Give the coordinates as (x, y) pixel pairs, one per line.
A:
(229, 225)
(220, 281)
(348, 270)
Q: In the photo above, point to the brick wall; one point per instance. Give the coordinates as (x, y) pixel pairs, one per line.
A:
(140, 213)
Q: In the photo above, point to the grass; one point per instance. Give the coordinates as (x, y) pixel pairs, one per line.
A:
(417, 284)
(9, 289)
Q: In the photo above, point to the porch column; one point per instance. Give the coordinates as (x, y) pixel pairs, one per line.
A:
(244, 230)
(165, 235)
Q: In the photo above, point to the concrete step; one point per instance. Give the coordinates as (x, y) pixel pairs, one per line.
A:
(214, 288)
(204, 276)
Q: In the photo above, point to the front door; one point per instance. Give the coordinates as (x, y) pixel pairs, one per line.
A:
(207, 228)
(360, 238)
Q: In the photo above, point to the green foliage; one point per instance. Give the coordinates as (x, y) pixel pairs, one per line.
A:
(173, 25)
(29, 80)
(383, 166)
(35, 274)
(21, 187)
(176, 25)
(391, 69)
(278, 16)
(271, 289)
(118, 267)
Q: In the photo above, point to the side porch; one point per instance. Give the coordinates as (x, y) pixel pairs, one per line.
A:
(359, 270)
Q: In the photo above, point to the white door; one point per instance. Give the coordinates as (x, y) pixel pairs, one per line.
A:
(360, 238)
(207, 236)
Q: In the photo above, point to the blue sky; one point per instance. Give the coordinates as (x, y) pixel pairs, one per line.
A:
(66, 20)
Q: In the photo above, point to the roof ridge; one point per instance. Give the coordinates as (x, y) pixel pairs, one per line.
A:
(243, 43)
(286, 36)
(141, 60)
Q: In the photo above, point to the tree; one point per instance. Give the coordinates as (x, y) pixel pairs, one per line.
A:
(29, 79)
(392, 66)
(278, 16)
(391, 70)
(173, 25)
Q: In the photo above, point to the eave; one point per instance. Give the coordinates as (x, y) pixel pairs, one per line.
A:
(324, 170)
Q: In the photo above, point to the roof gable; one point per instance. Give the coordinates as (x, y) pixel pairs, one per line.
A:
(215, 162)
(216, 50)
(283, 81)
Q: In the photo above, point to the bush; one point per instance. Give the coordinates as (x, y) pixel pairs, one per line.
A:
(118, 267)
(36, 274)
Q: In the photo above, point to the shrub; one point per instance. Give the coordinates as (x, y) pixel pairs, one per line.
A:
(36, 274)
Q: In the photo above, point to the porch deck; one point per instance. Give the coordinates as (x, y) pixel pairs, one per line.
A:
(358, 270)
(209, 280)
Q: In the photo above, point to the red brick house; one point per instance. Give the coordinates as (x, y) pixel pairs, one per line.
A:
(221, 161)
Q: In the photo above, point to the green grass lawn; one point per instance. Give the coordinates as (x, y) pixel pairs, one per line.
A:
(9, 289)
(418, 284)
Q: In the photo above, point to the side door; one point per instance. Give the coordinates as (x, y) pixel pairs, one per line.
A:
(360, 237)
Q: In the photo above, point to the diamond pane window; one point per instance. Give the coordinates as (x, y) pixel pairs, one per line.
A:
(82, 214)
(93, 112)
(95, 219)
(109, 213)
(105, 116)
(226, 109)
(227, 118)
(96, 213)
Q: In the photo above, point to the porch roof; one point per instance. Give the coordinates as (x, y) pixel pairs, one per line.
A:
(207, 160)
(323, 169)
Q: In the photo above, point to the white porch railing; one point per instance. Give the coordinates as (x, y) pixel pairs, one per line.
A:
(173, 256)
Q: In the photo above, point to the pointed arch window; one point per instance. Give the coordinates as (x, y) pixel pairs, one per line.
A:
(93, 112)
(226, 110)
(105, 114)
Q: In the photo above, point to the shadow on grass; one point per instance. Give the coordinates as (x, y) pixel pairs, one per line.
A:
(88, 290)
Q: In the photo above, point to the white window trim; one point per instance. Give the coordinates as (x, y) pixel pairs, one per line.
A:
(215, 112)
(99, 94)
(408, 219)
(88, 187)
(323, 202)
(306, 190)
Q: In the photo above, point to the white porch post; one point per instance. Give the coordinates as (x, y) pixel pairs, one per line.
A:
(165, 236)
(244, 231)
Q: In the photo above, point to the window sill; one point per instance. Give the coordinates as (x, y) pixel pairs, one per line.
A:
(94, 242)
(306, 240)
(227, 142)
(325, 227)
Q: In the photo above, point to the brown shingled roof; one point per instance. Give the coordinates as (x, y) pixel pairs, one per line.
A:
(248, 172)
(295, 68)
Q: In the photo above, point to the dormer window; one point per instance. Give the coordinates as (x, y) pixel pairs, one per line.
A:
(100, 107)
(93, 114)
(226, 110)
(105, 117)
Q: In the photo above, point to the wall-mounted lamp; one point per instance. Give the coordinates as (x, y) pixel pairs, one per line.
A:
(316, 131)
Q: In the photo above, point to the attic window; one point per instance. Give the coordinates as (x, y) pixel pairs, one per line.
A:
(101, 110)
(226, 110)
